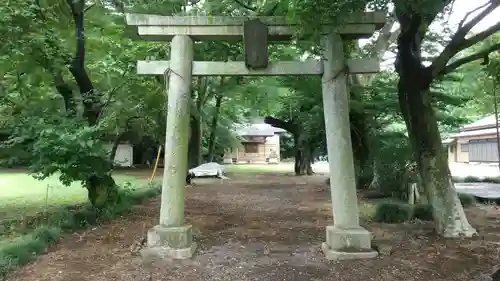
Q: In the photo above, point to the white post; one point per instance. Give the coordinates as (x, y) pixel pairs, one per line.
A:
(346, 232)
(172, 237)
(176, 137)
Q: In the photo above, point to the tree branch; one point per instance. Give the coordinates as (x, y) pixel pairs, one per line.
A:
(476, 56)
(246, 6)
(458, 41)
(282, 124)
(461, 24)
(118, 5)
(480, 36)
(88, 8)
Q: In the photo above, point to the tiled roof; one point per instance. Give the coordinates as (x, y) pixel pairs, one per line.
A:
(263, 130)
(488, 121)
(483, 132)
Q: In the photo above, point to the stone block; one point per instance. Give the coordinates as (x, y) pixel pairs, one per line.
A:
(344, 244)
(172, 242)
(273, 161)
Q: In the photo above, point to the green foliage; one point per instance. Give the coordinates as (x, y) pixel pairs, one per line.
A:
(392, 212)
(399, 212)
(471, 179)
(336, 12)
(47, 106)
(423, 212)
(73, 150)
(491, 180)
(467, 200)
(395, 164)
(390, 145)
(24, 249)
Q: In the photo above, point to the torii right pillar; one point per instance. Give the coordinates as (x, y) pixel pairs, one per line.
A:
(345, 239)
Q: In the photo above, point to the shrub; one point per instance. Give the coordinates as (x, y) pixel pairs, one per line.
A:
(392, 212)
(422, 212)
(466, 200)
(471, 179)
(25, 248)
(491, 179)
(48, 234)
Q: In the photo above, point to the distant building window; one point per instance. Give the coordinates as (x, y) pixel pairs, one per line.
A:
(464, 147)
(251, 148)
(452, 148)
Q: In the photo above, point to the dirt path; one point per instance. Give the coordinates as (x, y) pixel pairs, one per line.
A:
(263, 227)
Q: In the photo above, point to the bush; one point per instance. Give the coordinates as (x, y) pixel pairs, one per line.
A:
(25, 248)
(471, 179)
(392, 212)
(395, 165)
(422, 212)
(466, 200)
(491, 179)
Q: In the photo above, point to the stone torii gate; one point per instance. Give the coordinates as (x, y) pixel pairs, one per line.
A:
(345, 239)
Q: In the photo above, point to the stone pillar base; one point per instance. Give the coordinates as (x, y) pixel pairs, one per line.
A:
(170, 242)
(273, 161)
(348, 244)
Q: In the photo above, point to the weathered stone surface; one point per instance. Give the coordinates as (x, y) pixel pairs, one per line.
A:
(157, 27)
(237, 68)
(176, 134)
(338, 134)
(169, 242)
(343, 244)
(255, 44)
(377, 18)
(493, 275)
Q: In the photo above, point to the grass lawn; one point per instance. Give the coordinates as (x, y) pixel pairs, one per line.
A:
(21, 194)
(259, 168)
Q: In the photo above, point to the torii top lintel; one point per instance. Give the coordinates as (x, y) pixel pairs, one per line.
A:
(164, 28)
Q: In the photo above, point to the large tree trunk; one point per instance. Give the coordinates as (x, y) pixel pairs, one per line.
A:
(102, 191)
(303, 155)
(195, 146)
(416, 107)
(310, 160)
(375, 183)
(449, 216)
(195, 142)
(213, 129)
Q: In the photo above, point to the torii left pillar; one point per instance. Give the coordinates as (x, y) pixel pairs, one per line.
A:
(171, 237)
